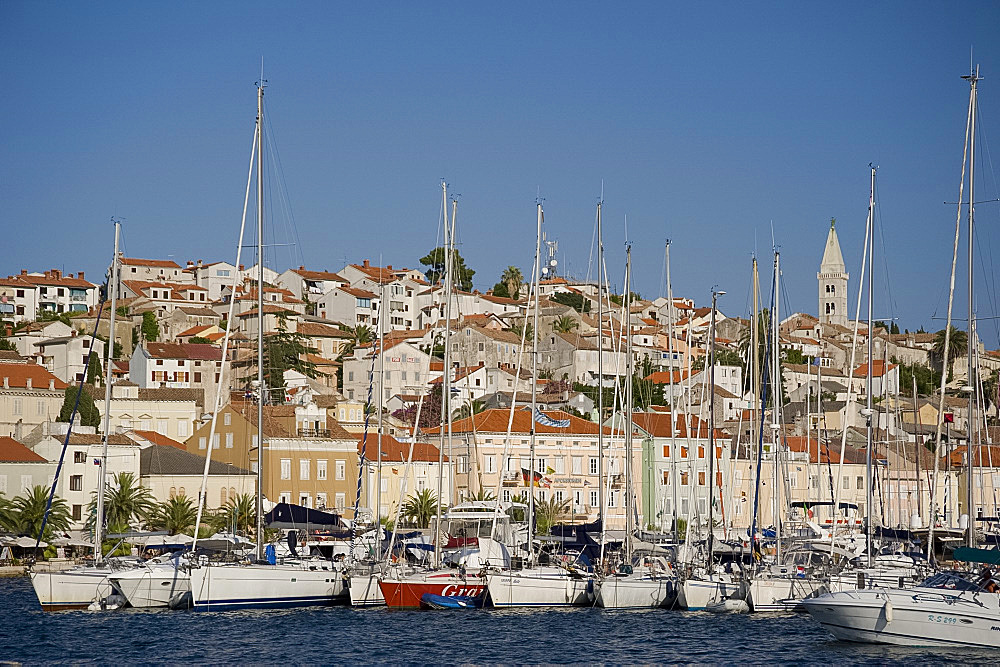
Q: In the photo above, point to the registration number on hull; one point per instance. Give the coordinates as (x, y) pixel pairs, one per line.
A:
(950, 620)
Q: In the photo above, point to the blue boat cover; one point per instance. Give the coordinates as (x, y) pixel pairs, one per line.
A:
(286, 515)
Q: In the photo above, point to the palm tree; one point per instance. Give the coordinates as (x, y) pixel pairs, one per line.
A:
(564, 324)
(362, 334)
(6, 517)
(27, 511)
(176, 515)
(956, 346)
(548, 513)
(126, 502)
(467, 410)
(483, 495)
(525, 330)
(241, 512)
(513, 279)
(419, 508)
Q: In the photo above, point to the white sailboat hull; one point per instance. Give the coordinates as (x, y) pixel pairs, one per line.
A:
(540, 587)
(364, 591)
(767, 594)
(75, 588)
(911, 617)
(152, 586)
(637, 592)
(227, 587)
(697, 594)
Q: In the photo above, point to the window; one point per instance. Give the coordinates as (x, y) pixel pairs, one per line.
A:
(701, 478)
(161, 426)
(340, 472)
(40, 408)
(540, 465)
(197, 376)
(577, 465)
(321, 501)
(594, 500)
(305, 500)
(350, 376)
(229, 440)
(613, 499)
(701, 451)
(201, 443)
(223, 496)
(321, 470)
(384, 485)
(79, 457)
(77, 512)
(666, 451)
(684, 478)
(847, 483)
(284, 497)
(559, 496)
(215, 441)
(286, 468)
(593, 466)
(861, 482)
(666, 478)
(304, 469)
(339, 500)
(76, 483)
(793, 481)
(489, 463)
(684, 452)
(17, 406)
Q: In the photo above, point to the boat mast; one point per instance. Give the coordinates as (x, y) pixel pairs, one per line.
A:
(540, 215)
(261, 393)
(600, 369)
(775, 407)
(381, 390)
(103, 474)
(670, 389)
(870, 497)
(970, 536)
(711, 430)
(627, 502)
(445, 385)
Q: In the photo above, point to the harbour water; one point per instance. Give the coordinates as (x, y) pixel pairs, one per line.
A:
(344, 635)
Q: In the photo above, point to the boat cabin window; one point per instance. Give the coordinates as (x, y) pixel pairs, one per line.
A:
(949, 581)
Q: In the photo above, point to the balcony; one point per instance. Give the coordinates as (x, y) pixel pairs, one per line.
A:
(78, 298)
(314, 433)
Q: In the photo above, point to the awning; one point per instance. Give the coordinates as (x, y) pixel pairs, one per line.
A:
(969, 555)
(287, 516)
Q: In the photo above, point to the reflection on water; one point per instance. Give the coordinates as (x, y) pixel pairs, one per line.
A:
(345, 635)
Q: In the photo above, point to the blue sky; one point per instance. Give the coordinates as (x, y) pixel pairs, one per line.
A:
(708, 124)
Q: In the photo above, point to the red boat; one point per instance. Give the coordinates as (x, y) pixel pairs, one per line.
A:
(405, 593)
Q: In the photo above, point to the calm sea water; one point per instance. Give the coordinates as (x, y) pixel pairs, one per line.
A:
(344, 635)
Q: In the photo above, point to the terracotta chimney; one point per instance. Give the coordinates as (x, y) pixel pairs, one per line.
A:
(6, 383)
(52, 385)
(27, 383)
(366, 264)
(24, 272)
(302, 268)
(388, 267)
(190, 263)
(80, 275)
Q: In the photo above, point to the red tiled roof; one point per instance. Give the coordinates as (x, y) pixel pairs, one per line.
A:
(159, 439)
(663, 377)
(56, 278)
(321, 330)
(878, 369)
(199, 351)
(17, 375)
(658, 425)
(12, 451)
(395, 451)
(162, 263)
(495, 421)
(319, 275)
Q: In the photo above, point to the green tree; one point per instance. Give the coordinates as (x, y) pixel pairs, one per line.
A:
(500, 289)
(126, 503)
(87, 412)
(362, 334)
(467, 410)
(794, 356)
(419, 508)
(727, 357)
(484, 495)
(286, 350)
(564, 324)
(200, 340)
(512, 278)
(548, 513)
(525, 330)
(240, 513)
(435, 260)
(577, 302)
(150, 329)
(176, 515)
(928, 379)
(4, 343)
(27, 511)
(94, 371)
(956, 347)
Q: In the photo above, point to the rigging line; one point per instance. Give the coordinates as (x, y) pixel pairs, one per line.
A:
(282, 187)
(884, 256)
(990, 282)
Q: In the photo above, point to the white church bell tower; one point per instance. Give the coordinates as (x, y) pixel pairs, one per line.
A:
(832, 278)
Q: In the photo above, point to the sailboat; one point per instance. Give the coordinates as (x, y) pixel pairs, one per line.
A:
(79, 587)
(264, 583)
(538, 585)
(948, 608)
(647, 581)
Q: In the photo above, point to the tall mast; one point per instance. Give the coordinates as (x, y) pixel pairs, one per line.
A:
(445, 385)
(600, 369)
(534, 379)
(261, 392)
(970, 535)
(103, 473)
(381, 390)
(446, 399)
(869, 499)
(711, 429)
(670, 389)
(627, 502)
(754, 382)
(776, 405)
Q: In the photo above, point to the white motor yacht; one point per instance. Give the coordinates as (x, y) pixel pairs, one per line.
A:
(947, 609)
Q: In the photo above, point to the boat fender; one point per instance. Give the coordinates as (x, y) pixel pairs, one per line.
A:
(888, 610)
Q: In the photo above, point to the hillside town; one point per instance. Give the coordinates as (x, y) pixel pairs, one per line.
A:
(353, 356)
